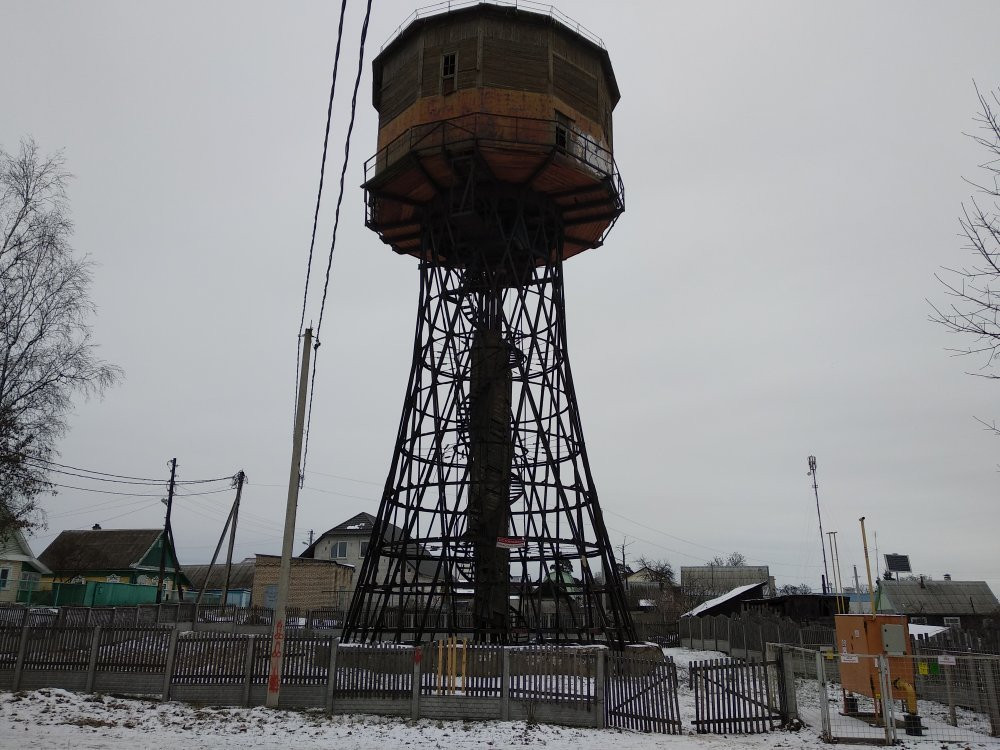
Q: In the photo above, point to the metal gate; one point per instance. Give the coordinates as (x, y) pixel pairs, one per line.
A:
(641, 694)
(733, 696)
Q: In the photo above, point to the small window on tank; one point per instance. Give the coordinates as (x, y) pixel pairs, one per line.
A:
(563, 125)
(449, 65)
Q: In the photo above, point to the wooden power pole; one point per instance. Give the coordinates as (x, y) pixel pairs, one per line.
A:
(278, 630)
(240, 479)
(167, 535)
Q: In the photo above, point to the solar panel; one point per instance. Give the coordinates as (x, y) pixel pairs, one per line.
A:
(897, 563)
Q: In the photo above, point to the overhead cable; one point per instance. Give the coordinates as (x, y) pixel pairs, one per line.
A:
(336, 225)
(322, 173)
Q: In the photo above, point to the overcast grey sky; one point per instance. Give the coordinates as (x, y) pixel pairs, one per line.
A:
(793, 176)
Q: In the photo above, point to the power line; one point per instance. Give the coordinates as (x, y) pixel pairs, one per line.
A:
(347, 479)
(104, 507)
(322, 167)
(129, 512)
(671, 536)
(319, 191)
(330, 492)
(336, 225)
(206, 492)
(343, 170)
(99, 474)
(101, 479)
(106, 492)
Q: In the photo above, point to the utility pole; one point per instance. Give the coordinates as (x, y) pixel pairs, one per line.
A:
(167, 533)
(838, 586)
(857, 583)
(278, 631)
(240, 479)
(215, 555)
(625, 544)
(822, 542)
(838, 574)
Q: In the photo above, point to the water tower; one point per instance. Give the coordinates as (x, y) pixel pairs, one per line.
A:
(494, 166)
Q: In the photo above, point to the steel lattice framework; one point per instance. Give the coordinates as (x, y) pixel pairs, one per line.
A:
(489, 523)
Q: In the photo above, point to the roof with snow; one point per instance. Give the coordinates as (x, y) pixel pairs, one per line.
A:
(925, 630)
(359, 525)
(749, 591)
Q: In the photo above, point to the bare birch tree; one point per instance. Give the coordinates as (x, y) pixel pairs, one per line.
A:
(46, 352)
(973, 309)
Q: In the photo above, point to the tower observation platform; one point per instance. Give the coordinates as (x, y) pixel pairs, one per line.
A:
(494, 166)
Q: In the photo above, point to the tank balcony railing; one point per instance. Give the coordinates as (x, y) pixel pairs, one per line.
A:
(489, 129)
(447, 6)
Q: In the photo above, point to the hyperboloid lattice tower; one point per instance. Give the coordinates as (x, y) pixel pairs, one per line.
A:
(494, 166)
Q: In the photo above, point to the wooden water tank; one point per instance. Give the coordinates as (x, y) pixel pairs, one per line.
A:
(521, 96)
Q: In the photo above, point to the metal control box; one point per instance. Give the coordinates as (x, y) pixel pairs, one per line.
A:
(895, 641)
(861, 639)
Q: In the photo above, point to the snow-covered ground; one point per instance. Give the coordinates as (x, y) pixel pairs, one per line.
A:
(54, 718)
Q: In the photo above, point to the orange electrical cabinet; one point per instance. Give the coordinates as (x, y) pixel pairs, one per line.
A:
(860, 638)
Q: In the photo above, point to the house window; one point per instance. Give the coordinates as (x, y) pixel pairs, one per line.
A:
(113, 578)
(29, 581)
(953, 622)
(918, 620)
(449, 66)
(338, 550)
(364, 549)
(4, 578)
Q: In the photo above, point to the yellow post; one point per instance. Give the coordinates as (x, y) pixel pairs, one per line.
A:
(868, 566)
(451, 665)
(440, 646)
(465, 661)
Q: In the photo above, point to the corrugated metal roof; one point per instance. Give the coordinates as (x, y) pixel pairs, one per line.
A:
(241, 576)
(937, 597)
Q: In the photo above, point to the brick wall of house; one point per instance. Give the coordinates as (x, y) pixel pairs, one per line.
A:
(313, 583)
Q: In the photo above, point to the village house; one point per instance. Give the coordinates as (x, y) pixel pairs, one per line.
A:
(209, 581)
(347, 544)
(20, 570)
(121, 557)
(312, 584)
(957, 604)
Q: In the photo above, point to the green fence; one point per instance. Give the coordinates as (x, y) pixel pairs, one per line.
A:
(90, 594)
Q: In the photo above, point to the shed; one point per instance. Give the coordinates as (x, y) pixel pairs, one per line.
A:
(240, 582)
(730, 602)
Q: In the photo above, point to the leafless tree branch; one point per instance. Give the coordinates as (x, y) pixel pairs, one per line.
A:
(47, 355)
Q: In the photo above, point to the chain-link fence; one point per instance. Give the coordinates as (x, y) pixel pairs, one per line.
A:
(878, 699)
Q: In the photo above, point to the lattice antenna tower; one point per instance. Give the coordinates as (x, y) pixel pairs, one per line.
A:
(494, 166)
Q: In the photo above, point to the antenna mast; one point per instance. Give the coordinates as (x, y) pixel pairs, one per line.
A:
(822, 542)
